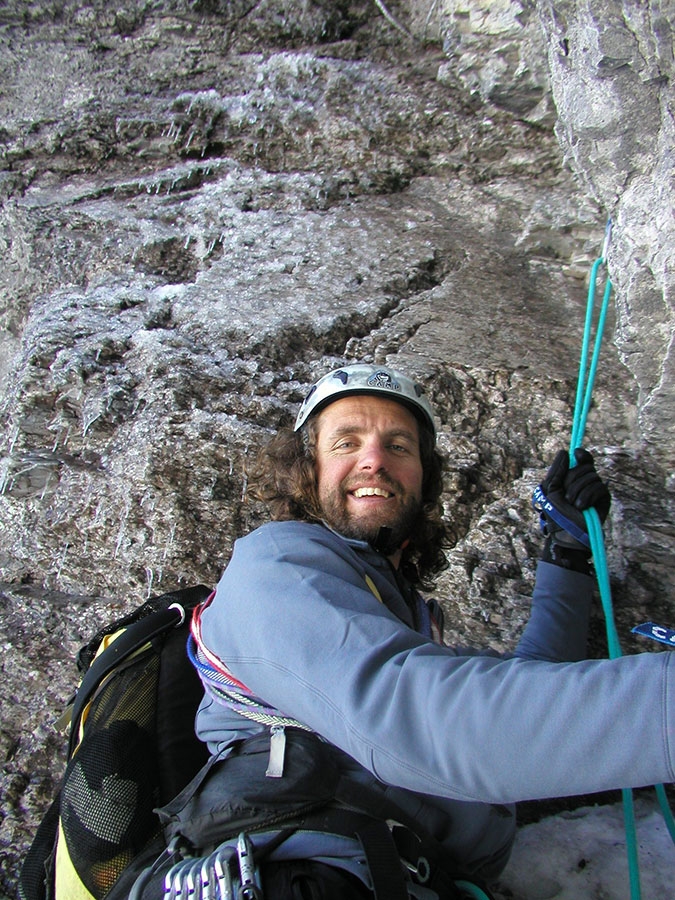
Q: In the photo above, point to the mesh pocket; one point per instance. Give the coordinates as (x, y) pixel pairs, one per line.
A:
(111, 783)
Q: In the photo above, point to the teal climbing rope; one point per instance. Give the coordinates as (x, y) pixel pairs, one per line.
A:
(584, 395)
(472, 890)
(587, 373)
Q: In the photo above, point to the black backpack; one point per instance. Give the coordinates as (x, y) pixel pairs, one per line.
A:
(132, 747)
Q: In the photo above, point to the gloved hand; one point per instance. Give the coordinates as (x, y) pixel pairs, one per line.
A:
(565, 493)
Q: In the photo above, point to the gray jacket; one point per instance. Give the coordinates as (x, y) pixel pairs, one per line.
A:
(457, 735)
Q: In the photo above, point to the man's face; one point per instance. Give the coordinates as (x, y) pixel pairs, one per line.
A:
(369, 471)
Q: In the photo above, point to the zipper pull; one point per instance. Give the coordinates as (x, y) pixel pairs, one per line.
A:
(275, 767)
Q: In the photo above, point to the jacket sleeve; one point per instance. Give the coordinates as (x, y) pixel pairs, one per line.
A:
(294, 621)
(557, 630)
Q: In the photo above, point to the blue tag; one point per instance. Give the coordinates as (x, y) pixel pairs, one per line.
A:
(656, 633)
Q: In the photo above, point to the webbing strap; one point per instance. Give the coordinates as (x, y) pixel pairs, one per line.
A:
(386, 849)
(383, 860)
(411, 839)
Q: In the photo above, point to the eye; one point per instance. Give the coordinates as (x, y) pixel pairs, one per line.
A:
(344, 444)
(403, 446)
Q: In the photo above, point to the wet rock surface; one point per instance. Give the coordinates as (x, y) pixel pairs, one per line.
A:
(205, 206)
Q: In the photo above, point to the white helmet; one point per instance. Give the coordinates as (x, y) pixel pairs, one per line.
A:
(366, 379)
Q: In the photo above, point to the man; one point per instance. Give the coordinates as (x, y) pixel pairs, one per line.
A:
(317, 621)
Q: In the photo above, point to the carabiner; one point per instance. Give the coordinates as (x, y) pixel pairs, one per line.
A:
(250, 883)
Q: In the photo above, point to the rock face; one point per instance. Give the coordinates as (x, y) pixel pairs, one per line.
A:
(206, 205)
(608, 67)
(616, 127)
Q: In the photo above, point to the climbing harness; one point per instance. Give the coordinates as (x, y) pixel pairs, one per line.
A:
(587, 373)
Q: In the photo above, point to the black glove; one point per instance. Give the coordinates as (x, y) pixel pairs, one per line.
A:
(561, 498)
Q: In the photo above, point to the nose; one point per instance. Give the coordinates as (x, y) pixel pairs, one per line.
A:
(372, 456)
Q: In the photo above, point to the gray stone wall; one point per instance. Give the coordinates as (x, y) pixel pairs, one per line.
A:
(608, 69)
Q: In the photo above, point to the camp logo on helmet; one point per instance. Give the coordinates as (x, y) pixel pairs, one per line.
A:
(384, 380)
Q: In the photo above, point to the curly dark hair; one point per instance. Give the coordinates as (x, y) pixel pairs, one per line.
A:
(283, 475)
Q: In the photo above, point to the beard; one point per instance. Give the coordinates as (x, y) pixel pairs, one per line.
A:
(384, 529)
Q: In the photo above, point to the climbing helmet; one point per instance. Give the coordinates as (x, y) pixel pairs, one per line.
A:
(380, 381)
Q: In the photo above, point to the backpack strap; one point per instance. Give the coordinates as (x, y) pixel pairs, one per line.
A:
(413, 843)
(129, 641)
(36, 869)
(383, 860)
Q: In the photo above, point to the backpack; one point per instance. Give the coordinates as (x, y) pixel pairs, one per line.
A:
(132, 747)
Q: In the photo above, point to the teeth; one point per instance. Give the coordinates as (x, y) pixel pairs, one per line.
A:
(371, 492)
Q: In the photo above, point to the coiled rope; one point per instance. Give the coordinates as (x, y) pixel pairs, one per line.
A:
(587, 373)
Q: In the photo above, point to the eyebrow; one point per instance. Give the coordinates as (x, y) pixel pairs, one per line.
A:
(353, 428)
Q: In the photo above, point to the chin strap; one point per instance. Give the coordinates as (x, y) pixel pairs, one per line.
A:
(382, 543)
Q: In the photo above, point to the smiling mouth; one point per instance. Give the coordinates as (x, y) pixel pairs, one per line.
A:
(371, 492)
